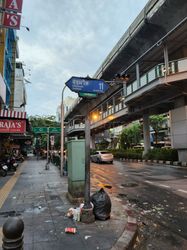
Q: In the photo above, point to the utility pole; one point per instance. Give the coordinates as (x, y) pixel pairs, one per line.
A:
(62, 134)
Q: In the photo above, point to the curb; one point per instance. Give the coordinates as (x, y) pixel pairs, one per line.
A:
(175, 164)
(127, 239)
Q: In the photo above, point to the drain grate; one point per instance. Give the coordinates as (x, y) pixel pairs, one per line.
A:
(129, 184)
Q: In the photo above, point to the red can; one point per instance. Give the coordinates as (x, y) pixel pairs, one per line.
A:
(71, 230)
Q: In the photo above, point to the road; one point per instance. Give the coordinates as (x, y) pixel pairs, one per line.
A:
(158, 194)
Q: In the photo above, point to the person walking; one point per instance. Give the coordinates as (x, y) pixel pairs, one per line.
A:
(65, 167)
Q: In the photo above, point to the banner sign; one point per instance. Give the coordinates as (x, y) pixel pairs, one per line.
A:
(11, 20)
(13, 5)
(12, 126)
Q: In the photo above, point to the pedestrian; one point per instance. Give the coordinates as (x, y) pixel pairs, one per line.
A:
(65, 166)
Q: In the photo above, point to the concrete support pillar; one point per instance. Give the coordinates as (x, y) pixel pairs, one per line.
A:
(146, 133)
(92, 141)
(178, 119)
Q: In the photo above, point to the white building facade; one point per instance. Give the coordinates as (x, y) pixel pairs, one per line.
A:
(19, 88)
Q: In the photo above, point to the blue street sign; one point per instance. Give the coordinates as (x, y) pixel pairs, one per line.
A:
(87, 85)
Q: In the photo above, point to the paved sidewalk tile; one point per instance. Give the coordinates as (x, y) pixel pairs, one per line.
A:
(38, 196)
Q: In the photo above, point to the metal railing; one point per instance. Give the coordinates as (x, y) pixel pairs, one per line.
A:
(159, 70)
(116, 103)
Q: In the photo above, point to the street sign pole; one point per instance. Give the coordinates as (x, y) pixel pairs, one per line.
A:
(86, 88)
(87, 163)
(87, 210)
(46, 166)
(62, 133)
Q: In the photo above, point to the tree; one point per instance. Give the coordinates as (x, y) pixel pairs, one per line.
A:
(157, 122)
(130, 136)
(45, 121)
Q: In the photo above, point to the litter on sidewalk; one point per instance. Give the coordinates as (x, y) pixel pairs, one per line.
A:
(70, 230)
(74, 213)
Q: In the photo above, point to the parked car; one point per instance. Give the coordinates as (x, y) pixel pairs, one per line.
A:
(102, 156)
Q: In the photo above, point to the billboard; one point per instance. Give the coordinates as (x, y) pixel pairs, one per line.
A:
(12, 126)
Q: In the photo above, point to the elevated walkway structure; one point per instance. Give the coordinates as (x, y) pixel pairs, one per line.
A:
(153, 52)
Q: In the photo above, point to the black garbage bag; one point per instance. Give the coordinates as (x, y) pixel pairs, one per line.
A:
(102, 205)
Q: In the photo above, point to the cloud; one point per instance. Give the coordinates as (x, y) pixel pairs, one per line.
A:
(68, 38)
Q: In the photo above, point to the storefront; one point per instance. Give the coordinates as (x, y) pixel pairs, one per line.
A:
(14, 131)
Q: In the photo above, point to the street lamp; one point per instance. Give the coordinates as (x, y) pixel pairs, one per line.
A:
(26, 27)
(62, 133)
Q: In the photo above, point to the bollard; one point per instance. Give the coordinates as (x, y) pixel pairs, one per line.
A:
(12, 234)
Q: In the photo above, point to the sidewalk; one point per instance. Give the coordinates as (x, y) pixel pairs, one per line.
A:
(38, 196)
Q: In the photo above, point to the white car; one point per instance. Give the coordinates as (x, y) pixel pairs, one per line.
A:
(102, 156)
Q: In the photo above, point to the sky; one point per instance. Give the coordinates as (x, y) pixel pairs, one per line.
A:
(67, 38)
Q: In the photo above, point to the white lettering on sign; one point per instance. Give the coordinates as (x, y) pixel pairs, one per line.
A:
(101, 86)
(14, 126)
(80, 82)
(13, 5)
(13, 20)
(10, 124)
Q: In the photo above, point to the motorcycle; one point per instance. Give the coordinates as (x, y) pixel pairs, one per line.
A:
(3, 169)
(11, 164)
(19, 158)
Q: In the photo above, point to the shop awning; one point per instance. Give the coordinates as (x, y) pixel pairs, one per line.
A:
(6, 113)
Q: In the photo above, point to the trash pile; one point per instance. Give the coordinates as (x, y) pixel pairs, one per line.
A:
(75, 213)
(101, 204)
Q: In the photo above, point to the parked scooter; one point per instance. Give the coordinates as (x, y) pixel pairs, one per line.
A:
(11, 163)
(3, 169)
(19, 158)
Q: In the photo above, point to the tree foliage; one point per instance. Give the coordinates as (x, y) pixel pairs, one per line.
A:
(131, 135)
(157, 122)
(44, 121)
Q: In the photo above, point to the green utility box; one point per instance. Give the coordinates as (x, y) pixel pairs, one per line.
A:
(76, 168)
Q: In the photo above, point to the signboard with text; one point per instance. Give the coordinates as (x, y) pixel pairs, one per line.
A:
(87, 85)
(87, 95)
(54, 130)
(40, 130)
(13, 5)
(12, 126)
(45, 130)
(11, 20)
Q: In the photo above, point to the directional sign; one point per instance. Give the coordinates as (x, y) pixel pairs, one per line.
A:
(45, 130)
(40, 130)
(56, 130)
(87, 95)
(87, 85)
